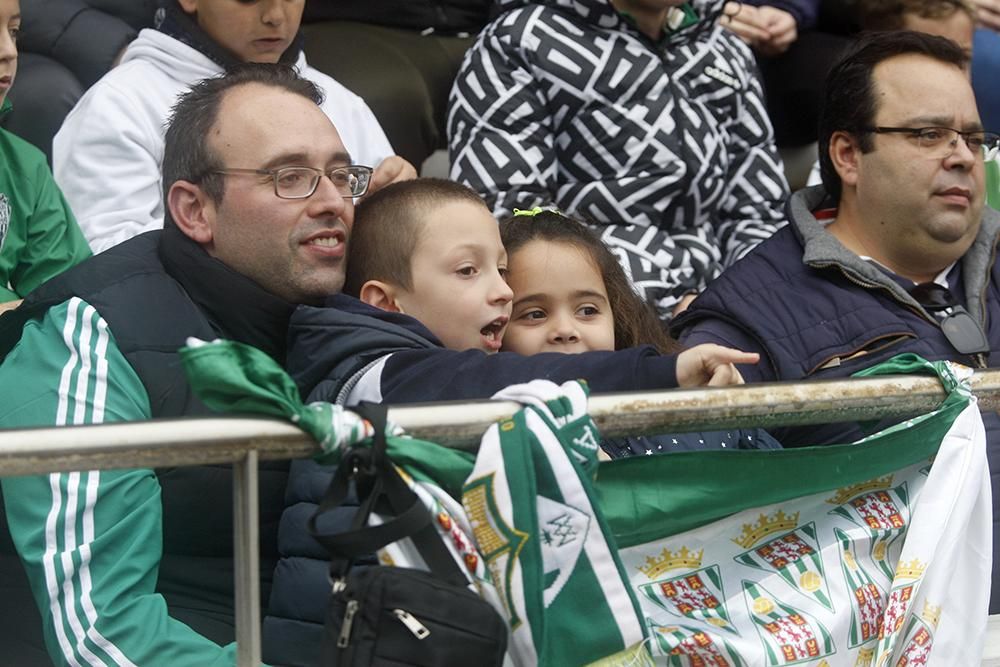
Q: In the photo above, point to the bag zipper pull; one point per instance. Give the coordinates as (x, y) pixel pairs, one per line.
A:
(418, 629)
(345, 629)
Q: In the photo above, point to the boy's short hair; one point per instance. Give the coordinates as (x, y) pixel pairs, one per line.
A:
(890, 14)
(387, 224)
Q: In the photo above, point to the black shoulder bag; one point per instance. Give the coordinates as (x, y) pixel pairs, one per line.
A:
(395, 616)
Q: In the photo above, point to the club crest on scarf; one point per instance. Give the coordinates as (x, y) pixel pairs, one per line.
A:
(4, 218)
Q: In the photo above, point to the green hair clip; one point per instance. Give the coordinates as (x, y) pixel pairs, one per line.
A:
(532, 212)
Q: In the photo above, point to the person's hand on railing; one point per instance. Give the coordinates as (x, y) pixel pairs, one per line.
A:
(712, 365)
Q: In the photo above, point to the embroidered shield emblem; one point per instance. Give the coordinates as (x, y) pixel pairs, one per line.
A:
(4, 217)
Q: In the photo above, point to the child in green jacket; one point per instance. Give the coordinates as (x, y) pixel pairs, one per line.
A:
(39, 237)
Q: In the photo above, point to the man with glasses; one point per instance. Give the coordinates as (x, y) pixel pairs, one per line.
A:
(894, 253)
(134, 567)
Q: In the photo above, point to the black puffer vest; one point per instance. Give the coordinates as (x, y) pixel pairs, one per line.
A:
(150, 314)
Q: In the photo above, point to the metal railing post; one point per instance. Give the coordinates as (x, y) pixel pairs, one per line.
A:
(246, 551)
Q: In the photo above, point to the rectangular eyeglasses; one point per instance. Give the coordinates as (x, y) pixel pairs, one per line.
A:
(301, 182)
(941, 142)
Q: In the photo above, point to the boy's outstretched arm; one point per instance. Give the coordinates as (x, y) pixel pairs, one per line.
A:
(348, 351)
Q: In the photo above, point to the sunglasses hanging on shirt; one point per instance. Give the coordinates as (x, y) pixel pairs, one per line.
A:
(958, 325)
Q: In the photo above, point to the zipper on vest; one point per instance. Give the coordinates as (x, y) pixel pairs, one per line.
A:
(875, 286)
(918, 310)
(978, 359)
(345, 629)
(870, 347)
(418, 629)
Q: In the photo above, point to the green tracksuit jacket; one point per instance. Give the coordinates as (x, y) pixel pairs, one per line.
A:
(39, 237)
(92, 541)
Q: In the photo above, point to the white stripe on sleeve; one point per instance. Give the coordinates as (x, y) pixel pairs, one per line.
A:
(91, 368)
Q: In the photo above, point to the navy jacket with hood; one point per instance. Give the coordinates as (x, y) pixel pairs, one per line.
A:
(814, 309)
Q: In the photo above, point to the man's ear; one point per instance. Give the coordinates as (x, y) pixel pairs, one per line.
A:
(381, 295)
(845, 153)
(191, 210)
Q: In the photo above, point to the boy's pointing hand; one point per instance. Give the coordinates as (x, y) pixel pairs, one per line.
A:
(712, 365)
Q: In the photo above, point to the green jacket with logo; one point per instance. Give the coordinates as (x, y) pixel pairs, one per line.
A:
(39, 237)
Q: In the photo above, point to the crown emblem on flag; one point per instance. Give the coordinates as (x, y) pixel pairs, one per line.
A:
(766, 525)
(911, 570)
(931, 614)
(865, 657)
(849, 492)
(668, 560)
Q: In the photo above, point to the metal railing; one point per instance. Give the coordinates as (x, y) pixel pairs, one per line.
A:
(245, 441)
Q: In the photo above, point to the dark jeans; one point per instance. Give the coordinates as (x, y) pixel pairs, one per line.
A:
(986, 75)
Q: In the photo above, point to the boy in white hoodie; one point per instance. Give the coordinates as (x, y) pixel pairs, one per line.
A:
(108, 152)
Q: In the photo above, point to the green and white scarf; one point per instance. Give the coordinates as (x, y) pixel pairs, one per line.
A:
(875, 553)
(535, 516)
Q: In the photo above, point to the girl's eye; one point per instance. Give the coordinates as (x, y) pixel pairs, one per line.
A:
(533, 315)
(503, 272)
(588, 311)
(467, 271)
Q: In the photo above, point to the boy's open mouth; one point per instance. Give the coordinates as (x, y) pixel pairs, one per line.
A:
(493, 332)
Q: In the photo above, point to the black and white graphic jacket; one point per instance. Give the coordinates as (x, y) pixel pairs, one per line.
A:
(666, 146)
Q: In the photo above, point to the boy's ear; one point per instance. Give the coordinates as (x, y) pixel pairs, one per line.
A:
(381, 295)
